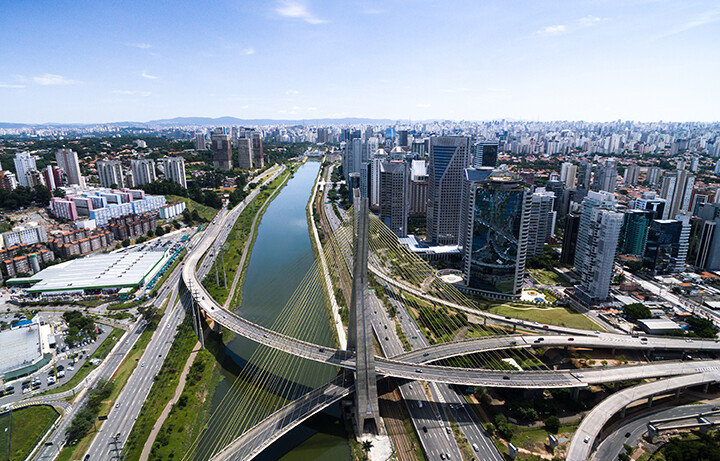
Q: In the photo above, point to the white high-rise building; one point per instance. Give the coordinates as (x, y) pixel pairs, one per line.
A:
(631, 175)
(542, 221)
(110, 172)
(606, 176)
(568, 172)
(677, 187)
(597, 241)
(67, 161)
(143, 171)
(24, 162)
(175, 170)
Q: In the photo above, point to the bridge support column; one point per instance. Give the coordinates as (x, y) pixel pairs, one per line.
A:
(677, 394)
(514, 327)
(651, 432)
(706, 387)
(612, 351)
(650, 400)
(360, 333)
(622, 412)
(575, 393)
(615, 386)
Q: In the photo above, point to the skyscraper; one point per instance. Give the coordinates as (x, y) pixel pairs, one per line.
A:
(584, 175)
(568, 172)
(67, 161)
(606, 176)
(7, 180)
(677, 187)
(24, 162)
(394, 196)
(257, 149)
(54, 177)
(449, 156)
(667, 245)
(221, 149)
(634, 232)
(418, 188)
(631, 175)
(569, 244)
(653, 176)
(143, 171)
(245, 161)
(704, 246)
(541, 219)
(110, 173)
(495, 229)
(200, 141)
(175, 170)
(597, 241)
(485, 154)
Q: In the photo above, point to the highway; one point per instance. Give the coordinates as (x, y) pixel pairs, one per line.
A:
(584, 438)
(612, 446)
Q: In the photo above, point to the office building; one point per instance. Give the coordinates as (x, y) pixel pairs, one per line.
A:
(143, 171)
(394, 196)
(67, 160)
(175, 170)
(485, 154)
(630, 178)
(245, 152)
(584, 175)
(667, 245)
(449, 156)
(605, 176)
(541, 221)
(402, 138)
(418, 188)
(704, 247)
(494, 228)
(200, 141)
(635, 231)
(677, 187)
(257, 149)
(34, 178)
(221, 150)
(568, 173)
(569, 243)
(375, 178)
(110, 173)
(650, 201)
(24, 162)
(597, 242)
(694, 164)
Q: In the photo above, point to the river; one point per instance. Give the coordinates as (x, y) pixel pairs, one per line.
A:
(281, 257)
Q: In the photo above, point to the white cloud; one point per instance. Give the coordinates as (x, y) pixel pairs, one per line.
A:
(142, 46)
(53, 79)
(148, 76)
(552, 30)
(423, 105)
(707, 17)
(589, 20)
(292, 92)
(296, 10)
(312, 108)
(132, 92)
(10, 85)
(249, 51)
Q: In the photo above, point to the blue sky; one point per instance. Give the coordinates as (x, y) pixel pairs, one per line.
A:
(103, 61)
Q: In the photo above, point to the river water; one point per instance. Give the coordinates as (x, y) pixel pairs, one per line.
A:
(281, 256)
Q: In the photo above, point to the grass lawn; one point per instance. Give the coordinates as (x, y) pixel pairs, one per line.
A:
(561, 316)
(204, 211)
(24, 428)
(525, 437)
(100, 353)
(546, 277)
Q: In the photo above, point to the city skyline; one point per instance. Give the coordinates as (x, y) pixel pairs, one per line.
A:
(101, 63)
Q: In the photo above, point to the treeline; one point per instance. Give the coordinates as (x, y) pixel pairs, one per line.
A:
(208, 197)
(23, 197)
(85, 418)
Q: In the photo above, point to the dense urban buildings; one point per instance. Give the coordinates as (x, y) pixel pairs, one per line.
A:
(174, 168)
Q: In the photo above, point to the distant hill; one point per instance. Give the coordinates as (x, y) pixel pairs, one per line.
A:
(209, 121)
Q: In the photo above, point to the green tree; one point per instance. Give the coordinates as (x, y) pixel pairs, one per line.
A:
(636, 311)
(552, 424)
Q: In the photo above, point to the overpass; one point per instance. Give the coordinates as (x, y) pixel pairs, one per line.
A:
(415, 365)
(582, 442)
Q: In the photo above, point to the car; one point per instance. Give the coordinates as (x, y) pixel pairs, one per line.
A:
(715, 408)
(596, 332)
(514, 343)
(586, 439)
(410, 386)
(506, 377)
(447, 455)
(643, 339)
(688, 340)
(571, 339)
(418, 370)
(442, 455)
(627, 434)
(448, 430)
(424, 429)
(265, 335)
(387, 339)
(541, 339)
(142, 364)
(426, 354)
(420, 404)
(321, 349)
(385, 326)
(545, 326)
(475, 447)
(117, 405)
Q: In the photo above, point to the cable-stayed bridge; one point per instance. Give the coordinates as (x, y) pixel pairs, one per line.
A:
(361, 243)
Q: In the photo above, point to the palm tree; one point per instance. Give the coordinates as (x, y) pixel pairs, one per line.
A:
(367, 445)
